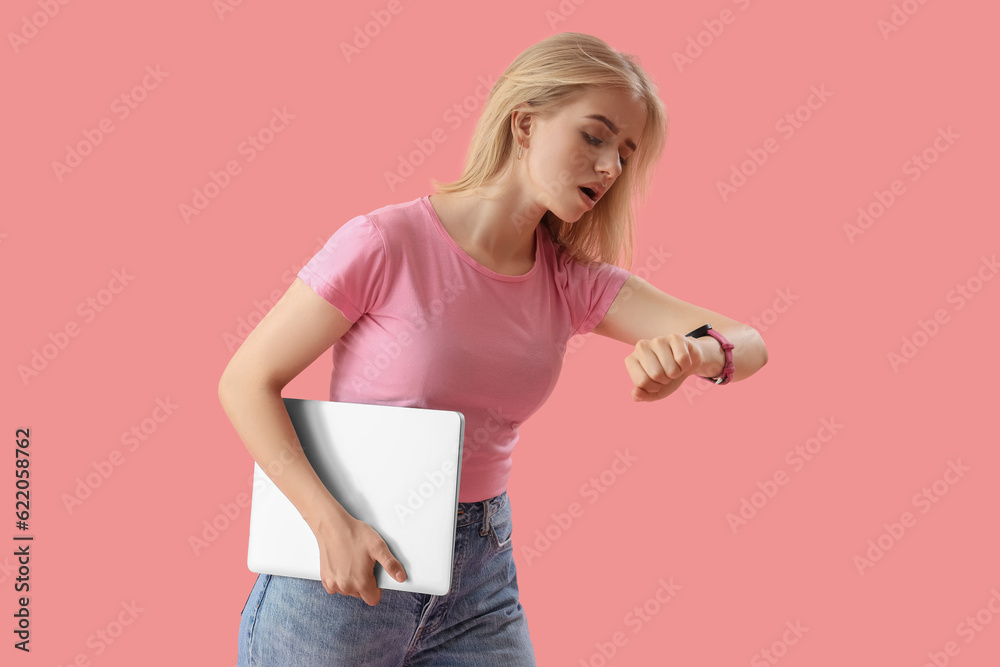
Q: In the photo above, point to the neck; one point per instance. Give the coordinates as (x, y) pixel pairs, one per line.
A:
(498, 219)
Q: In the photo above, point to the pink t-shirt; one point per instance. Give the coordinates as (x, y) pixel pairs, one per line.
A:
(433, 328)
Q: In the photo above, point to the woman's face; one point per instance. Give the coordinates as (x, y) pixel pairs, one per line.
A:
(575, 149)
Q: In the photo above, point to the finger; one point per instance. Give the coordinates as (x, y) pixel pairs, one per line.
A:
(370, 592)
(330, 584)
(392, 566)
(679, 350)
(638, 374)
(649, 370)
(641, 395)
(389, 563)
(673, 355)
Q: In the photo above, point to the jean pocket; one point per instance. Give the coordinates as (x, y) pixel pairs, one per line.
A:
(501, 531)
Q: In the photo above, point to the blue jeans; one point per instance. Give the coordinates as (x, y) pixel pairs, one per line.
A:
(293, 622)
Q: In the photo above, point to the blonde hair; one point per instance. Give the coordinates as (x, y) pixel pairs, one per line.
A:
(543, 77)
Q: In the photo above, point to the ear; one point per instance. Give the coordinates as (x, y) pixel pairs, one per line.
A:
(520, 124)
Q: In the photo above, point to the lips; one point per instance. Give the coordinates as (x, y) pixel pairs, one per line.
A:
(593, 191)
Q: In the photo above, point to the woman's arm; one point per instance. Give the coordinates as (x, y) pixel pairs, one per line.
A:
(300, 327)
(258, 414)
(643, 312)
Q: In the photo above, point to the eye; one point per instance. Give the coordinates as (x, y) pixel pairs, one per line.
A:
(594, 141)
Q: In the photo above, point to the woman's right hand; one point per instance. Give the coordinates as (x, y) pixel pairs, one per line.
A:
(348, 551)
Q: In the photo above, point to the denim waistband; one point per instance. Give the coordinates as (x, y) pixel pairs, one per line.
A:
(481, 510)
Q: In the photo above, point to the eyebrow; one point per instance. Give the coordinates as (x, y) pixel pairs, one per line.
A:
(612, 127)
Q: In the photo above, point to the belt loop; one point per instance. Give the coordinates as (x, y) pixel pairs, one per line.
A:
(486, 518)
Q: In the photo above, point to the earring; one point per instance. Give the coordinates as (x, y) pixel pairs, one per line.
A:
(519, 151)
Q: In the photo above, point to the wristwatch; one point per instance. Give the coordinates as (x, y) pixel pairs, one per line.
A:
(728, 368)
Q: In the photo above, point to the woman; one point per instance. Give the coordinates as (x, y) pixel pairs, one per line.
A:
(464, 300)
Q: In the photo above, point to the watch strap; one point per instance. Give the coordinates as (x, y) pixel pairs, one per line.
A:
(728, 367)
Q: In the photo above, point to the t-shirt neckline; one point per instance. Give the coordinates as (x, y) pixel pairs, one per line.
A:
(426, 199)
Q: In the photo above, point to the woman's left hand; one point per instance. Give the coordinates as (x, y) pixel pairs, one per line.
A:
(660, 365)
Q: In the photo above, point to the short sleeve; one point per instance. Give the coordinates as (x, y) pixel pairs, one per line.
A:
(596, 286)
(349, 271)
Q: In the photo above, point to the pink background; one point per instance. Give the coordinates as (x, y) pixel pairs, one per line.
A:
(169, 332)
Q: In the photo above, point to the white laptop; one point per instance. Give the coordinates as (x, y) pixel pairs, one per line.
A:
(395, 468)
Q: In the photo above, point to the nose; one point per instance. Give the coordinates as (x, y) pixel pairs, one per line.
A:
(609, 164)
(612, 170)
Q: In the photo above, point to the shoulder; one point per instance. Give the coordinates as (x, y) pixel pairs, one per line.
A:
(575, 268)
(398, 222)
